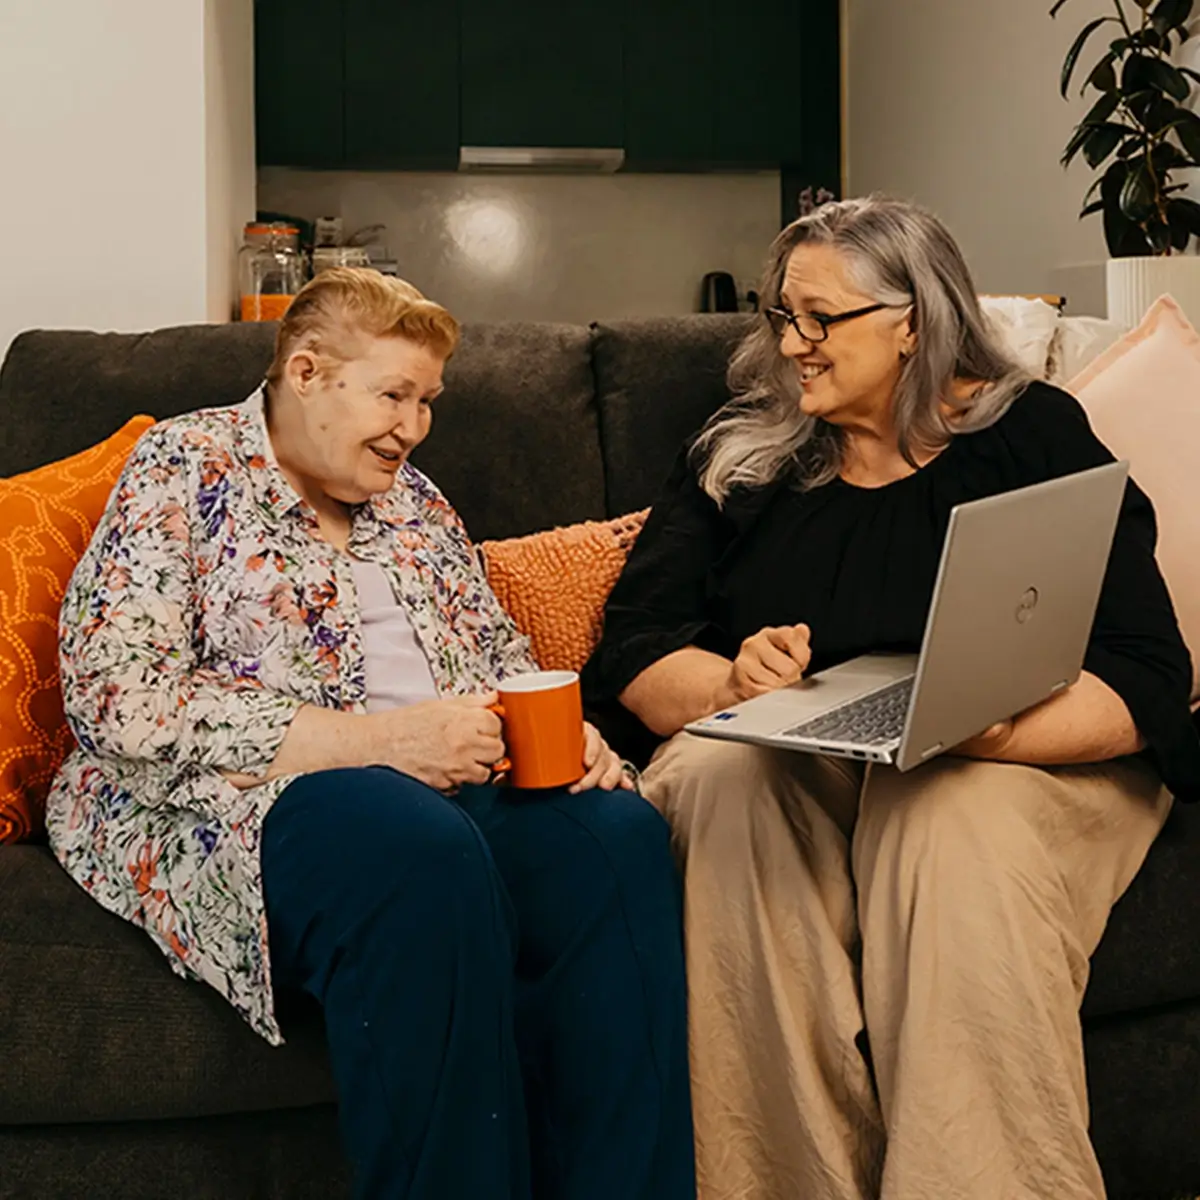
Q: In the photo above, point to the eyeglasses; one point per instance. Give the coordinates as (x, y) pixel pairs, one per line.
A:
(813, 327)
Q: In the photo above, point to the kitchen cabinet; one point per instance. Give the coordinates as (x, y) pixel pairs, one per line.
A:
(679, 84)
(669, 84)
(541, 73)
(711, 84)
(401, 89)
(299, 82)
(758, 118)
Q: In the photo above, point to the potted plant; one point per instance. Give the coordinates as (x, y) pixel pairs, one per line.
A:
(1138, 135)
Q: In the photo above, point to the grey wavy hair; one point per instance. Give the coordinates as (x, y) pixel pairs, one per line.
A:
(900, 255)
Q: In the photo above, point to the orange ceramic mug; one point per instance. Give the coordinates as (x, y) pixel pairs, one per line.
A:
(543, 729)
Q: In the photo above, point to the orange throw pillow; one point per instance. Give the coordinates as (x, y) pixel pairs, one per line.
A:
(554, 584)
(46, 521)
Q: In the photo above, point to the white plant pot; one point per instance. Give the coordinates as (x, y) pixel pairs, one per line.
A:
(1133, 284)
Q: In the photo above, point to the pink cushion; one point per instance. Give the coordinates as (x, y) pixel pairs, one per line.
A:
(1142, 396)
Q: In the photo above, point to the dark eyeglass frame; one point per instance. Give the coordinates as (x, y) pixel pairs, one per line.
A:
(824, 320)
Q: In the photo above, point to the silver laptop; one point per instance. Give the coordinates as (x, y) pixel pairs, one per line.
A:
(1012, 612)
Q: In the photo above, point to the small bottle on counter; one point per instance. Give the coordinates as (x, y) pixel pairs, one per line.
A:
(270, 269)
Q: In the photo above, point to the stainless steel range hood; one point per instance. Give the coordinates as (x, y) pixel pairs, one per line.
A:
(596, 160)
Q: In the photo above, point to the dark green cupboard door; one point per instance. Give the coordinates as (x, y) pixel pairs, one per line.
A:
(298, 82)
(670, 103)
(401, 83)
(541, 73)
(713, 83)
(760, 66)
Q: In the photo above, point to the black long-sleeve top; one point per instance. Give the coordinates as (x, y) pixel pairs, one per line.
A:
(858, 566)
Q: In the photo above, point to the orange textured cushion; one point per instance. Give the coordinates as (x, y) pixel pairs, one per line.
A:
(554, 584)
(46, 520)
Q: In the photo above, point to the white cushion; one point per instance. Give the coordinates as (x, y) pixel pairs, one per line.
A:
(1026, 328)
(1077, 342)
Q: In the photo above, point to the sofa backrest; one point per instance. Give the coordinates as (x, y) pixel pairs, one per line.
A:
(657, 381)
(540, 424)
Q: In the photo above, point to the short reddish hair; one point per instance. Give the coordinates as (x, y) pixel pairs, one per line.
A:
(343, 302)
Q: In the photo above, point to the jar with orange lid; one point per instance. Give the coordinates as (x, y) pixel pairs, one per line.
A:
(270, 269)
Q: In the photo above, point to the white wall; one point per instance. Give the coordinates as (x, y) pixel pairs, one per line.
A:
(955, 103)
(549, 247)
(104, 192)
(229, 144)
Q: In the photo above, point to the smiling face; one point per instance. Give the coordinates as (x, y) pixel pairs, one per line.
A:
(355, 422)
(849, 378)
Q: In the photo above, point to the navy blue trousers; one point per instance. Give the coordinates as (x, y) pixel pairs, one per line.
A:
(501, 975)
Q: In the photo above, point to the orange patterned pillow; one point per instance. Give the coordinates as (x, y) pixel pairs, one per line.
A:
(554, 584)
(46, 520)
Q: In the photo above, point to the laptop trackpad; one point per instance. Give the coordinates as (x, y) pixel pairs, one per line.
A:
(817, 695)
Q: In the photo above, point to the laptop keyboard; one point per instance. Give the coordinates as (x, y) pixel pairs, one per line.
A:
(875, 720)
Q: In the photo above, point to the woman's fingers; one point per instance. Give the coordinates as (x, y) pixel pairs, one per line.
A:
(770, 661)
(792, 640)
(593, 745)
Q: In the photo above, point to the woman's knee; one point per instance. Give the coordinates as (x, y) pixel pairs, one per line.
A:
(372, 822)
(974, 819)
(693, 781)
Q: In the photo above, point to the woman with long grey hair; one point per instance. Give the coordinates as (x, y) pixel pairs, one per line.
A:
(886, 969)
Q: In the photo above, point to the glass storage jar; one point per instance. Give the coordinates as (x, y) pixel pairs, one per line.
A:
(270, 269)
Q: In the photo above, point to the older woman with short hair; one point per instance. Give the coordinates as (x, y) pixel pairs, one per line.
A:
(278, 656)
(886, 969)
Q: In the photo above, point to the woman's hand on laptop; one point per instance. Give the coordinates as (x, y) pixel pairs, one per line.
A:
(770, 659)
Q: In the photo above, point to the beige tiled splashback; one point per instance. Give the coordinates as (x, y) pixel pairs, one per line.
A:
(549, 247)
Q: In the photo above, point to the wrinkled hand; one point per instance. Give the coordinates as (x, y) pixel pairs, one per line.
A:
(770, 659)
(444, 743)
(604, 769)
(990, 744)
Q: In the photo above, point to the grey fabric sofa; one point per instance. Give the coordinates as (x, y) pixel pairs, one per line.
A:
(118, 1079)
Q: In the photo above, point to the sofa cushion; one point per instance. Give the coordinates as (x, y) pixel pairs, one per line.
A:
(657, 382)
(63, 391)
(98, 1028)
(1142, 396)
(1150, 953)
(46, 521)
(515, 442)
(554, 584)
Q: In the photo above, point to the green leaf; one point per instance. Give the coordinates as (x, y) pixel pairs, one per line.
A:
(1188, 132)
(1077, 48)
(1166, 157)
(1169, 79)
(1143, 4)
(1102, 140)
(1137, 194)
(1123, 238)
(1057, 6)
(1159, 235)
(1171, 14)
(1194, 75)
(1095, 207)
(1181, 233)
(1075, 144)
(1187, 211)
(1104, 75)
(1142, 103)
(1102, 109)
(1136, 75)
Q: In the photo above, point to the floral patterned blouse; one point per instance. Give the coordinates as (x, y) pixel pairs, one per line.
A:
(205, 612)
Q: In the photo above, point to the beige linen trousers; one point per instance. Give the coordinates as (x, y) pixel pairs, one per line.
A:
(885, 969)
